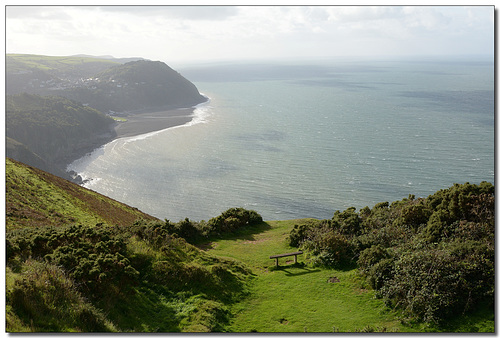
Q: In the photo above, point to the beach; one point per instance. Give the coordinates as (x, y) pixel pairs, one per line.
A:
(147, 122)
(133, 124)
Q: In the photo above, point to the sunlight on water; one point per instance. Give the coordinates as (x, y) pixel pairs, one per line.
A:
(307, 146)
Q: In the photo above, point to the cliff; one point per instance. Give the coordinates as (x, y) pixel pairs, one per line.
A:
(57, 107)
(53, 130)
(104, 84)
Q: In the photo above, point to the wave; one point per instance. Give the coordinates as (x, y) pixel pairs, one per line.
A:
(201, 112)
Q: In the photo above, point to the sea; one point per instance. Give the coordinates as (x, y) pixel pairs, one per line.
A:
(297, 139)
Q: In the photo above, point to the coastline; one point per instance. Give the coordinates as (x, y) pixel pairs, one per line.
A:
(143, 123)
(136, 123)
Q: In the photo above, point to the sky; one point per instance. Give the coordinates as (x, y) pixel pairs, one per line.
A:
(199, 34)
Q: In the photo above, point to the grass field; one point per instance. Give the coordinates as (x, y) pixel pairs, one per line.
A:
(19, 62)
(298, 297)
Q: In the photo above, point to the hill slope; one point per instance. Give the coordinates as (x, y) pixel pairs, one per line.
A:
(37, 198)
(56, 106)
(54, 129)
(143, 84)
(103, 84)
(36, 73)
(67, 271)
(78, 261)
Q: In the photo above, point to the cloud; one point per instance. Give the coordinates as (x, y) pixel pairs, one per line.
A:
(215, 32)
(36, 13)
(209, 13)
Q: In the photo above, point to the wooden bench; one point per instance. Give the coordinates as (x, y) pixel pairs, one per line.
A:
(286, 255)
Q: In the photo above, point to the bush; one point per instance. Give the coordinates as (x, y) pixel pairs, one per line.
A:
(347, 221)
(330, 246)
(435, 283)
(371, 256)
(380, 273)
(231, 220)
(431, 257)
(300, 232)
(46, 299)
(95, 256)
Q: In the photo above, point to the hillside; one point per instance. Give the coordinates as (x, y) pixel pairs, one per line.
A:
(143, 84)
(78, 261)
(103, 84)
(58, 108)
(53, 129)
(36, 74)
(37, 198)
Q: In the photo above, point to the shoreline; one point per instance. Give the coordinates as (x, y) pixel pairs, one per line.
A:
(150, 120)
(136, 123)
(143, 123)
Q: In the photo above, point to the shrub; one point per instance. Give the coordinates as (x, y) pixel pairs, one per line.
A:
(347, 221)
(229, 221)
(435, 283)
(431, 257)
(232, 219)
(380, 273)
(414, 215)
(371, 256)
(330, 247)
(300, 232)
(95, 256)
(46, 299)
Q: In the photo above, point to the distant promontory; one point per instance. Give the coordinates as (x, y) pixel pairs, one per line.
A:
(59, 108)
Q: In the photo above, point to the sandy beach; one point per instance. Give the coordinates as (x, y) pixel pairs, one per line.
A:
(146, 122)
(137, 123)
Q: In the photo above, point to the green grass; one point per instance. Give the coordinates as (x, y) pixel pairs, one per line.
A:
(18, 62)
(297, 297)
(35, 198)
(41, 198)
(119, 119)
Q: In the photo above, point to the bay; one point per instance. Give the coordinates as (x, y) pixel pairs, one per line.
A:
(293, 140)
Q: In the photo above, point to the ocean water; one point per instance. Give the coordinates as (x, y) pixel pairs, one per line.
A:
(305, 139)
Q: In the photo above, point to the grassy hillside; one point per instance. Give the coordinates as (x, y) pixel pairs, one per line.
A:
(80, 262)
(307, 297)
(103, 84)
(137, 85)
(299, 297)
(37, 198)
(30, 73)
(54, 129)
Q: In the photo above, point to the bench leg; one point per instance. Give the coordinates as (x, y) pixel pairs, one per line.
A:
(277, 262)
(295, 258)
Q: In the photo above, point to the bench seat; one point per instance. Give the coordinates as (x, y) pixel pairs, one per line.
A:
(286, 255)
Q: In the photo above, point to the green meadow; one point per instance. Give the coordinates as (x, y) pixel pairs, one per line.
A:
(298, 297)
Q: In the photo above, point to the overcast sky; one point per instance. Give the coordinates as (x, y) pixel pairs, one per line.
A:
(192, 34)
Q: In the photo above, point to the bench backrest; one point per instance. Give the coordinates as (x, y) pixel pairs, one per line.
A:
(287, 254)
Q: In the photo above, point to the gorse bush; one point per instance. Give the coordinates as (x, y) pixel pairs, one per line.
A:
(436, 282)
(47, 298)
(232, 219)
(432, 257)
(228, 222)
(74, 277)
(95, 256)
